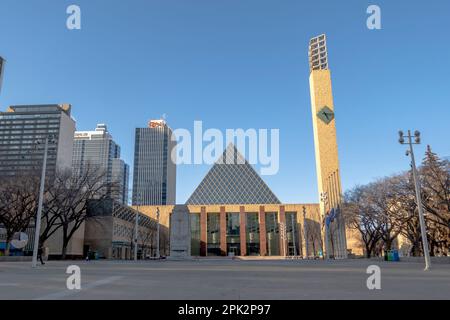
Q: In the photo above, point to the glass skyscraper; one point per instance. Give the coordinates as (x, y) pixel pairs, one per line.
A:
(154, 176)
(98, 149)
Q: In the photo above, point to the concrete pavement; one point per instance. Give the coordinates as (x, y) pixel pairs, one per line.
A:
(224, 279)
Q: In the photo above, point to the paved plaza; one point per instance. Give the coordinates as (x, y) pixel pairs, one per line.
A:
(224, 279)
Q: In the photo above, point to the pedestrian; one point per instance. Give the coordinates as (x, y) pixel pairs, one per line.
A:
(40, 250)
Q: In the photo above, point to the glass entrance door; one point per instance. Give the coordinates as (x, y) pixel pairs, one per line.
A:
(233, 250)
(233, 234)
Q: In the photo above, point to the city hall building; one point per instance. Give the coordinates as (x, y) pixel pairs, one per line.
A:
(234, 213)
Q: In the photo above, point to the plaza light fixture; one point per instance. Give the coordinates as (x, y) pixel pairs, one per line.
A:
(136, 227)
(410, 152)
(293, 234)
(37, 229)
(305, 234)
(157, 233)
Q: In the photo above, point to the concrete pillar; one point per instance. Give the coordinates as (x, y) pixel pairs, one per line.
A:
(223, 231)
(282, 220)
(301, 216)
(262, 231)
(203, 232)
(243, 230)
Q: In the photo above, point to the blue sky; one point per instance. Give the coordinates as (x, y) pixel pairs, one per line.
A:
(239, 64)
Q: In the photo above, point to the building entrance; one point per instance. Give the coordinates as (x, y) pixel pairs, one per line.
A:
(233, 250)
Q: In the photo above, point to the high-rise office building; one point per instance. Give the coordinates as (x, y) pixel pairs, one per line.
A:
(154, 176)
(120, 172)
(2, 68)
(23, 130)
(97, 149)
(326, 149)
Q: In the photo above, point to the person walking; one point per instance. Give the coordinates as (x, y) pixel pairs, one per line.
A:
(40, 250)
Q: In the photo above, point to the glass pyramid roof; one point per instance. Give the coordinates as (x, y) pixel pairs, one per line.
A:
(232, 180)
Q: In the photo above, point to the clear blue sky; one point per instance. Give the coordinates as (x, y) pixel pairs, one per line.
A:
(239, 64)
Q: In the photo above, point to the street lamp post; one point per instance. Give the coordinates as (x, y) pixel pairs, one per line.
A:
(423, 228)
(283, 236)
(157, 233)
(305, 234)
(293, 234)
(37, 227)
(136, 226)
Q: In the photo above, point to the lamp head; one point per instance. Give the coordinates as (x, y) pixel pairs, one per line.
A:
(401, 139)
(417, 136)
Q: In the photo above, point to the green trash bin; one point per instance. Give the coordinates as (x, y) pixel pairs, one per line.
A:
(392, 255)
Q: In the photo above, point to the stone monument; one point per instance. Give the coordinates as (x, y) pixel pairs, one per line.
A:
(180, 233)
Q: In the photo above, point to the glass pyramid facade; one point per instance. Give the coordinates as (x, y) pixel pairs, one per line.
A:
(232, 180)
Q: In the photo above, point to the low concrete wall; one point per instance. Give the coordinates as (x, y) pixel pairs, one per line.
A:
(437, 260)
(434, 260)
(15, 259)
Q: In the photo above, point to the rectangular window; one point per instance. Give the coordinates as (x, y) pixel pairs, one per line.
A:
(233, 234)
(252, 231)
(273, 234)
(213, 233)
(195, 234)
(292, 234)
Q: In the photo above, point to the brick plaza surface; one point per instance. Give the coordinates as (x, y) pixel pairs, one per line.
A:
(224, 279)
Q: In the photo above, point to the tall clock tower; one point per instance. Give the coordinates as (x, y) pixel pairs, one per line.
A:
(326, 150)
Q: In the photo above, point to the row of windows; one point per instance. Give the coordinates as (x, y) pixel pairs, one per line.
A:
(18, 143)
(29, 131)
(27, 116)
(25, 167)
(27, 126)
(20, 121)
(252, 232)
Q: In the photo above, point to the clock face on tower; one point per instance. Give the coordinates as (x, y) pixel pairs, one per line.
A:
(326, 115)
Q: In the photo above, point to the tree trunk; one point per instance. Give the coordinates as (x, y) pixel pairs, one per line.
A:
(65, 244)
(432, 246)
(314, 248)
(368, 251)
(388, 244)
(64, 251)
(416, 248)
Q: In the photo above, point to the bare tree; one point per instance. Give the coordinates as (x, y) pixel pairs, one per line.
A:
(314, 236)
(388, 208)
(360, 215)
(67, 201)
(18, 203)
(147, 235)
(405, 194)
(80, 187)
(384, 209)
